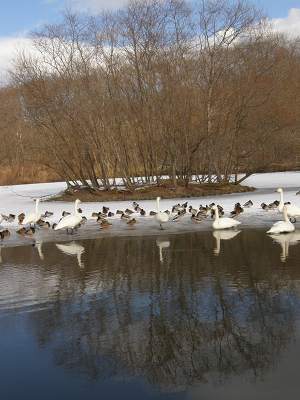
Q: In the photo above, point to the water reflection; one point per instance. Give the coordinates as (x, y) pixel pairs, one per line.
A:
(162, 244)
(73, 249)
(38, 246)
(223, 235)
(203, 319)
(285, 240)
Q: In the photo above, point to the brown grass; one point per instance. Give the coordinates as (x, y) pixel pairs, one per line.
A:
(26, 174)
(164, 191)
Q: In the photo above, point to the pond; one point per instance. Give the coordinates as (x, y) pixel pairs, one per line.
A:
(196, 315)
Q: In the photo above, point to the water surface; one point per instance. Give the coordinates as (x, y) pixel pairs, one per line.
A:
(187, 316)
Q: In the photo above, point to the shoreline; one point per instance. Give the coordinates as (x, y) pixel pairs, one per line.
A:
(151, 193)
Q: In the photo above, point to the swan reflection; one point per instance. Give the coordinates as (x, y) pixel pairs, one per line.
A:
(72, 249)
(162, 244)
(38, 246)
(223, 235)
(285, 241)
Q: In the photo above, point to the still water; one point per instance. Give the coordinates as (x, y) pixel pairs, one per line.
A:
(188, 316)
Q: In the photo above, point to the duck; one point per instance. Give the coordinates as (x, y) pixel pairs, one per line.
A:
(70, 222)
(26, 231)
(197, 219)
(7, 218)
(125, 216)
(248, 204)
(223, 223)
(128, 211)
(132, 221)
(110, 214)
(43, 224)
(142, 212)
(105, 210)
(5, 233)
(237, 210)
(47, 214)
(152, 213)
(292, 211)
(177, 217)
(65, 213)
(21, 218)
(284, 226)
(34, 216)
(105, 224)
(161, 217)
(193, 210)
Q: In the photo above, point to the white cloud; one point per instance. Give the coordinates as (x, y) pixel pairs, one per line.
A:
(289, 25)
(9, 47)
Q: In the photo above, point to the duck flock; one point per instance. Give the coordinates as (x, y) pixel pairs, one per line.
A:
(28, 223)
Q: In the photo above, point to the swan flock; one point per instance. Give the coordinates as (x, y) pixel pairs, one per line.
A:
(70, 222)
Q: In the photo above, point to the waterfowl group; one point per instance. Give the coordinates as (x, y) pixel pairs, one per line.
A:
(176, 214)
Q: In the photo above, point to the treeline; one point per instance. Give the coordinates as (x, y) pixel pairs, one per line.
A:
(158, 89)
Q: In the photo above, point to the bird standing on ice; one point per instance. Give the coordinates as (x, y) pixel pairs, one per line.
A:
(161, 217)
(223, 223)
(70, 221)
(33, 217)
(284, 226)
(292, 211)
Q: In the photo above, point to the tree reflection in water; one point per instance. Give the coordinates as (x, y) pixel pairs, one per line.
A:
(177, 317)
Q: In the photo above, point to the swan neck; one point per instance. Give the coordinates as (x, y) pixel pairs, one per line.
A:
(281, 198)
(285, 216)
(36, 205)
(216, 214)
(157, 204)
(76, 207)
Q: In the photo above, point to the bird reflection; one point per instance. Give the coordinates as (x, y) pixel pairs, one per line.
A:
(162, 244)
(38, 246)
(72, 249)
(223, 235)
(285, 241)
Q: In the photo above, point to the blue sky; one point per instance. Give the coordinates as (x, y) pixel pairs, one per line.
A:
(20, 16)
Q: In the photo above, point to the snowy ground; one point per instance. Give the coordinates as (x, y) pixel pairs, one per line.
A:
(20, 198)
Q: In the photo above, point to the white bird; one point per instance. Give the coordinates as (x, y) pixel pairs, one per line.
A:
(33, 217)
(223, 235)
(223, 223)
(292, 211)
(72, 249)
(70, 221)
(161, 217)
(284, 226)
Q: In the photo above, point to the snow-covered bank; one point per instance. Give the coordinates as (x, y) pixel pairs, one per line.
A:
(19, 198)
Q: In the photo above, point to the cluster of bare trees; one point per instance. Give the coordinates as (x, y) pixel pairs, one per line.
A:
(160, 89)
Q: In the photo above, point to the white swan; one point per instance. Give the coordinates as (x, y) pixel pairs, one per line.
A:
(223, 223)
(72, 249)
(33, 217)
(162, 244)
(223, 235)
(70, 221)
(292, 211)
(161, 217)
(284, 226)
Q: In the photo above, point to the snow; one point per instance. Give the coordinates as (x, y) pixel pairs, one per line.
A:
(20, 198)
